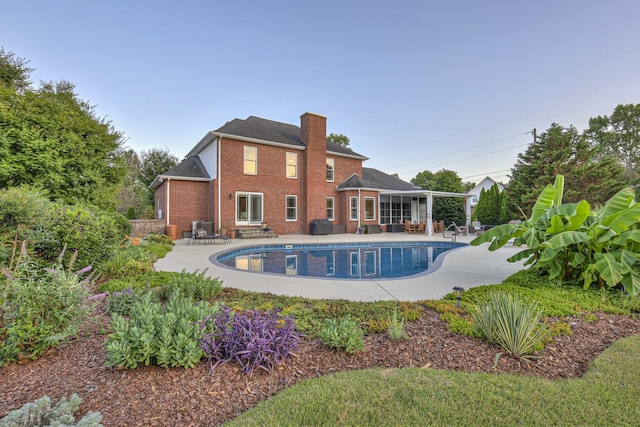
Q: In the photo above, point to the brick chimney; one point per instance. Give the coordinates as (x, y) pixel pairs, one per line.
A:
(313, 132)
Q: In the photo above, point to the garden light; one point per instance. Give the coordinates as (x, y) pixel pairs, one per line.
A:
(458, 291)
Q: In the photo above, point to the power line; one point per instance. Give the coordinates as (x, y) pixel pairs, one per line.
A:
(468, 158)
(461, 150)
(485, 174)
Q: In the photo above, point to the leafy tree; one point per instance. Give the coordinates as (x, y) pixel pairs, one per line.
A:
(14, 72)
(52, 140)
(153, 163)
(423, 180)
(618, 135)
(339, 139)
(132, 192)
(444, 208)
(558, 151)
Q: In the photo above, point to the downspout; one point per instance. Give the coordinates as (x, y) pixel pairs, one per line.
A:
(219, 178)
(168, 198)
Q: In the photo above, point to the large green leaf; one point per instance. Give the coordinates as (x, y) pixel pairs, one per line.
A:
(547, 253)
(620, 201)
(558, 185)
(631, 282)
(499, 232)
(622, 220)
(521, 255)
(567, 238)
(543, 203)
(609, 268)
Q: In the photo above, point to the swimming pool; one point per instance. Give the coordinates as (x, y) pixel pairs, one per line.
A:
(384, 260)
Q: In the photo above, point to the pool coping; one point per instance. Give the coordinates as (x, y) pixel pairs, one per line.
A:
(467, 267)
(435, 264)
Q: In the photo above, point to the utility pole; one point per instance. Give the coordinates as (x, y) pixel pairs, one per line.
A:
(534, 135)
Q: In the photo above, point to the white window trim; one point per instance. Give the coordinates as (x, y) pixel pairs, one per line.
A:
(333, 263)
(286, 208)
(286, 263)
(374, 208)
(244, 159)
(333, 169)
(286, 165)
(375, 262)
(352, 264)
(333, 207)
(248, 220)
(351, 208)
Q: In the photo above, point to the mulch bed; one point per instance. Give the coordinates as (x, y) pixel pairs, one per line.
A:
(153, 396)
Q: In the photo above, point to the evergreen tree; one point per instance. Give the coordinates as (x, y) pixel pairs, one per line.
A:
(563, 151)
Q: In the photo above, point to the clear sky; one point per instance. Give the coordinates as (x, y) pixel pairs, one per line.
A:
(416, 85)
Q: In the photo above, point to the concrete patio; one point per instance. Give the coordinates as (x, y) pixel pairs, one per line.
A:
(467, 267)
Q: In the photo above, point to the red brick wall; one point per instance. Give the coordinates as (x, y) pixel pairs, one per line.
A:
(192, 201)
(314, 135)
(271, 181)
(188, 202)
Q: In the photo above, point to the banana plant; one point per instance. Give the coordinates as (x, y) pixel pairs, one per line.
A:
(571, 243)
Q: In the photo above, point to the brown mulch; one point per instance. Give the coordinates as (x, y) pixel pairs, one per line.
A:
(154, 396)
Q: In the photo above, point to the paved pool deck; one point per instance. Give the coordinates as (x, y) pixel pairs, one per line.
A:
(467, 267)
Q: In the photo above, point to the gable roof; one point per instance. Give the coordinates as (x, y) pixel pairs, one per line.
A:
(374, 179)
(266, 131)
(190, 169)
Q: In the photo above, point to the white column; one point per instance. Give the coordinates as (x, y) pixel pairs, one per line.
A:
(429, 214)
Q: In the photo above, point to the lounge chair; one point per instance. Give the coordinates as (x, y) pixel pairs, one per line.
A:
(477, 228)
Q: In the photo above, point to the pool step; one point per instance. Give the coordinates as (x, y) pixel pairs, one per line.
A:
(255, 233)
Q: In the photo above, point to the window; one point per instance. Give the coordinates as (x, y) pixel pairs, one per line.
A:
(331, 264)
(291, 267)
(249, 208)
(331, 166)
(292, 208)
(354, 208)
(355, 264)
(250, 160)
(369, 263)
(292, 165)
(330, 208)
(369, 208)
(249, 262)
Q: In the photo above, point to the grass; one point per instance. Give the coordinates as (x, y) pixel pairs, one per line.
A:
(606, 395)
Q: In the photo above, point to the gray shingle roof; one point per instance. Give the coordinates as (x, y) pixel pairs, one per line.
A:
(188, 168)
(373, 178)
(269, 130)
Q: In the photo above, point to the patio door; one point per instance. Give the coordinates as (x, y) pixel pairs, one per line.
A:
(249, 208)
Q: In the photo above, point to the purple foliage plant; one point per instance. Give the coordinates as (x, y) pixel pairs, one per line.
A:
(253, 338)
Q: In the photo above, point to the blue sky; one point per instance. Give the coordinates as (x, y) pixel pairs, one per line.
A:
(416, 85)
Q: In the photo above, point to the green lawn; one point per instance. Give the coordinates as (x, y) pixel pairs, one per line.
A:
(606, 396)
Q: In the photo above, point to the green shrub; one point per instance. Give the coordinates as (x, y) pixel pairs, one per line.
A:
(193, 285)
(40, 413)
(131, 213)
(121, 302)
(459, 324)
(130, 261)
(162, 239)
(345, 334)
(49, 226)
(158, 335)
(40, 308)
(510, 322)
(149, 280)
(395, 330)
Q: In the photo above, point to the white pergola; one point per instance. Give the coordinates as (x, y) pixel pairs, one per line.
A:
(429, 195)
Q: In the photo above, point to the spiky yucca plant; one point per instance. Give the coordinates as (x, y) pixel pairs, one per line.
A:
(510, 322)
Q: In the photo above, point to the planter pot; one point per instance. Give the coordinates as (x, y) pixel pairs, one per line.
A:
(232, 234)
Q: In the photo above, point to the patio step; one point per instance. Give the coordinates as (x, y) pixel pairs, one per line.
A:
(255, 233)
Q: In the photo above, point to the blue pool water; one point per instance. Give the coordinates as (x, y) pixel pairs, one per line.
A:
(339, 261)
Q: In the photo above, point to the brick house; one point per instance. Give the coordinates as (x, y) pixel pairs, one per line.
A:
(252, 171)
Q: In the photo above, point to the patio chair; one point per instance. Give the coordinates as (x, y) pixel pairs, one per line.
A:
(421, 227)
(477, 228)
(202, 235)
